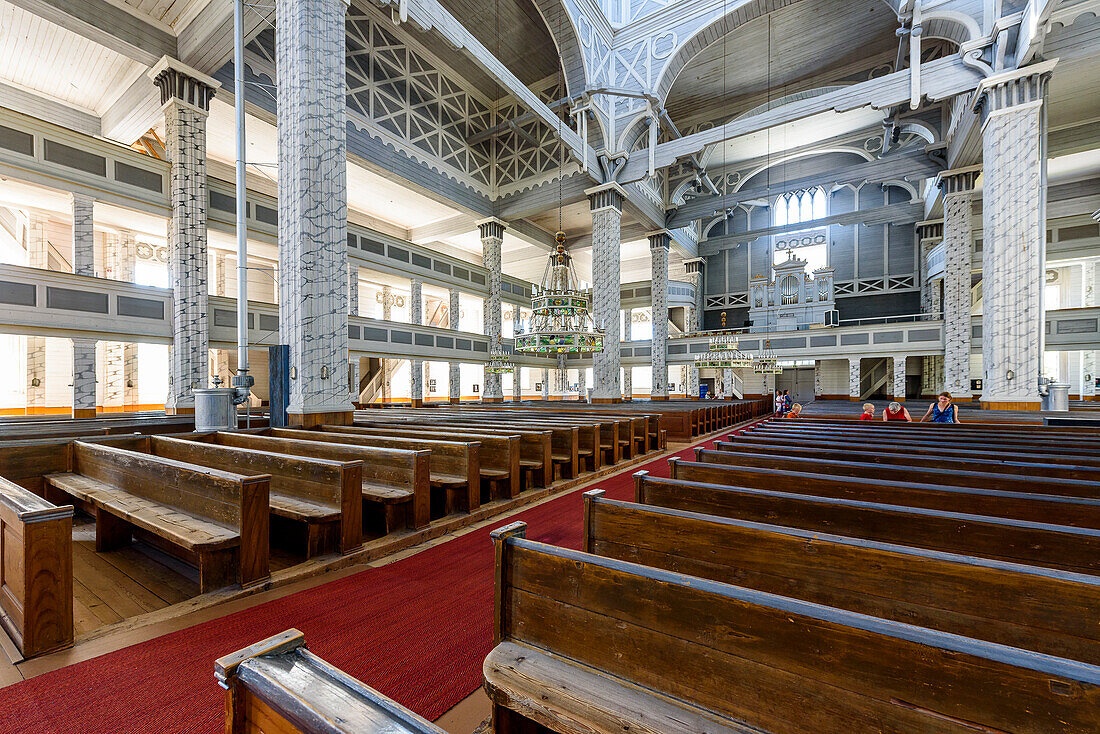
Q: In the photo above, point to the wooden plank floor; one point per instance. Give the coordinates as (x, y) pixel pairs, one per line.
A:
(111, 586)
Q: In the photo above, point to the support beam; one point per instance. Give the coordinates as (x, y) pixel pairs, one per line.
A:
(940, 79)
(907, 166)
(108, 25)
(44, 108)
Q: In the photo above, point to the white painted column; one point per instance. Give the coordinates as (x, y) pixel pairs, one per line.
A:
(545, 384)
(313, 247)
(1013, 114)
(353, 310)
(185, 95)
(819, 388)
(454, 371)
(628, 383)
(897, 365)
(606, 203)
(387, 303)
(83, 234)
(121, 359)
(658, 251)
(694, 320)
(627, 374)
(582, 383)
(221, 288)
(727, 383)
(492, 237)
(84, 378)
(853, 378)
(957, 187)
(929, 235)
(517, 383)
(38, 256)
(1088, 357)
(416, 366)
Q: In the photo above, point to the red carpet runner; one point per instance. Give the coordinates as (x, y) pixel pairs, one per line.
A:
(416, 630)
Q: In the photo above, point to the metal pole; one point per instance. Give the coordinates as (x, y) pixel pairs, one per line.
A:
(242, 226)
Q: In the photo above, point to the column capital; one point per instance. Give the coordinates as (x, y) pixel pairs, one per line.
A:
(492, 227)
(660, 238)
(1016, 87)
(76, 196)
(958, 180)
(606, 196)
(181, 83)
(930, 229)
(695, 265)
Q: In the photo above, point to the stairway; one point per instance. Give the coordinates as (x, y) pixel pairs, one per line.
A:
(873, 380)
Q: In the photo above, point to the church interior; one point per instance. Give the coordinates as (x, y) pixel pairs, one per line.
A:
(530, 366)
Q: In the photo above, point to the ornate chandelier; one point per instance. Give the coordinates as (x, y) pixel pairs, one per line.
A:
(724, 353)
(499, 363)
(766, 363)
(561, 319)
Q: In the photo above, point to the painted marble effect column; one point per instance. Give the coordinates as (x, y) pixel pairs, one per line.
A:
(84, 397)
(853, 378)
(83, 234)
(628, 382)
(353, 310)
(454, 369)
(492, 237)
(545, 384)
(694, 320)
(313, 213)
(221, 288)
(1088, 357)
(658, 250)
(957, 187)
(819, 388)
(627, 373)
(517, 382)
(120, 359)
(38, 256)
(897, 365)
(1013, 114)
(606, 203)
(416, 366)
(185, 96)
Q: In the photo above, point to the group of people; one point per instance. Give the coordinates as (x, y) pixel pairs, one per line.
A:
(941, 411)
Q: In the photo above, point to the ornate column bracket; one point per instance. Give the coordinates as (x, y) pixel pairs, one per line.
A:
(185, 95)
(659, 242)
(492, 237)
(606, 203)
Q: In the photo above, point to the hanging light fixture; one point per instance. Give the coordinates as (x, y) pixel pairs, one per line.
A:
(499, 362)
(766, 363)
(561, 314)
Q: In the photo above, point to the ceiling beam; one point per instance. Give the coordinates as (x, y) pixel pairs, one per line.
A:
(914, 165)
(904, 212)
(448, 227)
(940, 79)
(50, 110)
(107, 25)
(429, 14)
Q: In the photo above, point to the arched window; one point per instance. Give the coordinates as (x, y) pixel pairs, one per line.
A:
(800, 206)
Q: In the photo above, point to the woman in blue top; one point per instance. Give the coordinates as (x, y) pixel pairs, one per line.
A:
(942, 411)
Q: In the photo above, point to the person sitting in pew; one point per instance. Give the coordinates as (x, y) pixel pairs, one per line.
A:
(796, 411)
(868, 412)
(896, 412)
(942, 411)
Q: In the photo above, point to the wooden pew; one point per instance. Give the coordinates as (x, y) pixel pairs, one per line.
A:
(987, 442)
(1029, 607)
(1004, 465)
(1072, 511)
(587, 644)
(455, 466)
(924, 474)
(321, 496)
(542, 446)
(36, 571)
(1015, 541)
(214, 519)
(500, 454)
(277, 686)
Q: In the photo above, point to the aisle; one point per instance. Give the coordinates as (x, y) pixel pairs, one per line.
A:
(417, 630)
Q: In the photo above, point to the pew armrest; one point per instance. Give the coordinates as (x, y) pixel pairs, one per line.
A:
(565, 695)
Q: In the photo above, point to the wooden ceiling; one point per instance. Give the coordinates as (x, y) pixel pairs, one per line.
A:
(513, 31)
(801, 41)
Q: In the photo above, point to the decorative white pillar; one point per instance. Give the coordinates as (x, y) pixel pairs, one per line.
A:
(416, 366)
(221, 288)
(387, 303)
(185, 96)
(853, 378)
(897, 364)
(606, 203)
(628, 383)
(658, 251)
(545, 384)
(84, 378)
(582, 383)
(353, 310)
(313, 248)
(1088, 357)
(929, 235)
(627, 375)
(517, 383)
(83, 234)
(957, 187)
(819, 388)
(1013, 114)
(38, 256)
(492, 237)
(694, 320)
(454, 371)
(120, 359)
(727, 383)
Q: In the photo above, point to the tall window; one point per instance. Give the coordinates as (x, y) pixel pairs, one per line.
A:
(800, 206)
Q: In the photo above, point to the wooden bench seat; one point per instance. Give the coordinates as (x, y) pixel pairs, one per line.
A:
(745, 659)
(1028, 607)
(215, 519)
(277, 686)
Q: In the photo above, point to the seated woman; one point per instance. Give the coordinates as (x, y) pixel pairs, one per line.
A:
(896, 412)
(796, 411)
(868, 412)
(942, 411)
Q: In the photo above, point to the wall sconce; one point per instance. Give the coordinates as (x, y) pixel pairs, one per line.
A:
(294, 373)
(1010, 375)
(35, 382)
(324, 372)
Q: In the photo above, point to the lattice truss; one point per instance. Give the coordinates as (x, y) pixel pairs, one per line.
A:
(400, 92)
